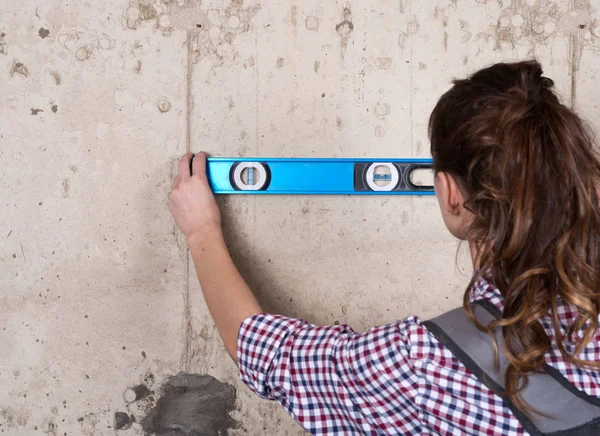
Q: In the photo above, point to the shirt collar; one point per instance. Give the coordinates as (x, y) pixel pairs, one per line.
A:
(484, 289)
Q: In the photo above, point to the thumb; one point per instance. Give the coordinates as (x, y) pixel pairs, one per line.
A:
(199, 165)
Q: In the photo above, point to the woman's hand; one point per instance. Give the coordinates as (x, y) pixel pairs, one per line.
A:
(192, 202)
(195, 210)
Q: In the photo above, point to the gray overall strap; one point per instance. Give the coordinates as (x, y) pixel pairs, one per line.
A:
(568, 411)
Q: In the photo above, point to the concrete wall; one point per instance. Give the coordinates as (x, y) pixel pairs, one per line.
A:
(99, 98)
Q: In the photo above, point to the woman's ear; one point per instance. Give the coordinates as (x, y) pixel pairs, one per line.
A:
(451, 200)
(451, 196)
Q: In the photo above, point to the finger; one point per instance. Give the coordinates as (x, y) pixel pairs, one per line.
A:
(176, 181)
(184, 166)
(199, 165)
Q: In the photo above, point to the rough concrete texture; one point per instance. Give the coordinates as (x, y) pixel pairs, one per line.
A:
(99, 98)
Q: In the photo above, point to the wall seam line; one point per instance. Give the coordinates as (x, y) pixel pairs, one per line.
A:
(187, 321)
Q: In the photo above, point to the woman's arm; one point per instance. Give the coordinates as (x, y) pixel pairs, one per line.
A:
(196, 212)
(330, 379)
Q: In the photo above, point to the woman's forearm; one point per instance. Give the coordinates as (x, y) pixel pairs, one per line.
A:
(197, 214)
(228, 297)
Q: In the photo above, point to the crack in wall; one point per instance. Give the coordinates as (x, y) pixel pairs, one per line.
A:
(186, 357)
(573, 48)
(210, 36)
(578, 22)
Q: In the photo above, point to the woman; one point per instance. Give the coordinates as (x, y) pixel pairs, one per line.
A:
(517, 177)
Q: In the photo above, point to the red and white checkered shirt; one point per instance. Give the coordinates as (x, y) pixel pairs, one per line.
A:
(393, 379)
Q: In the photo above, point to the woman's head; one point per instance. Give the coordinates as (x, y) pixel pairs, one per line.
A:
(518, 177)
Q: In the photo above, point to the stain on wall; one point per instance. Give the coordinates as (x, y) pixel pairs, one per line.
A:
(56, 77)
(13, 418)
(43, 33)
(312, 23)
(19, 68)
(215, 33)
(66, 187)
(3, 45)
(412, 27)
(83, 53)
(163, 104)
(214, 30)
(345, 29)
(522, 20)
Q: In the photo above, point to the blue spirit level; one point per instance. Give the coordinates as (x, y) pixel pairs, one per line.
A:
(339, 176)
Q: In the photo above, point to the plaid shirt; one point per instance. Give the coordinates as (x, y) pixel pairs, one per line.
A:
(393, 379)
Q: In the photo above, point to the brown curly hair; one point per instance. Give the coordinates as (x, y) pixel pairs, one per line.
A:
(529, 172)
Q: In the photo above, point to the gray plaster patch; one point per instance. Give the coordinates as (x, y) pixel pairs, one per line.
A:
(192, 405)
(141, 391)
(123, 421)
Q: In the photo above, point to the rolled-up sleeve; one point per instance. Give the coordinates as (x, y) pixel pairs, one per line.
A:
(328, 377)
(260, 343)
